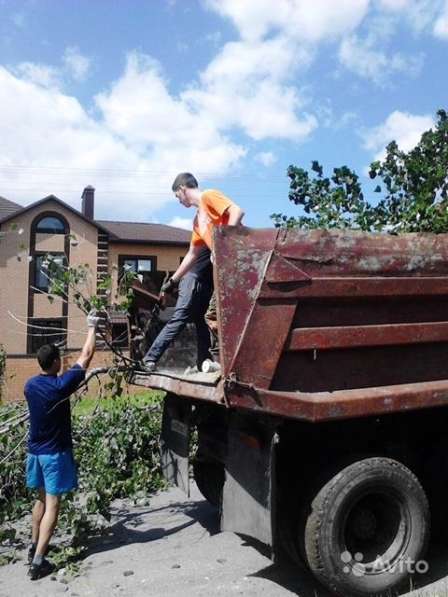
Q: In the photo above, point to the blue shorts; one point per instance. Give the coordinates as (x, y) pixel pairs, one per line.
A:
(55, 473)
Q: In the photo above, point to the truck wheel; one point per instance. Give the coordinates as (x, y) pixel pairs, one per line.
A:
(209, 477)
(368, 528)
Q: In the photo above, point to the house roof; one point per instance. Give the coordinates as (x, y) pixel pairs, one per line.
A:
(119, 232)
(22, 210)
(141, 232)
(8, 207)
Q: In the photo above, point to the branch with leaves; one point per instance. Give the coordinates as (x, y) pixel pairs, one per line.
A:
(412, 191)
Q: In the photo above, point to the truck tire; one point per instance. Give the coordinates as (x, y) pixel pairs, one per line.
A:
(209, 477)
(368, 528)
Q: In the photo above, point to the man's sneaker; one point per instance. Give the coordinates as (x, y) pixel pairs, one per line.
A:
(148, 366)
(32, 553)
(37, 571)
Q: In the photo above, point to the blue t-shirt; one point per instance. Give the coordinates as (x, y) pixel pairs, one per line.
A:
(49, 407)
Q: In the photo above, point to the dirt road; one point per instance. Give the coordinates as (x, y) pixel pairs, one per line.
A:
(170, 548)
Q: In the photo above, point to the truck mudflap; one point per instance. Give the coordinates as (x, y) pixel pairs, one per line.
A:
(175, 440)
(248, 504)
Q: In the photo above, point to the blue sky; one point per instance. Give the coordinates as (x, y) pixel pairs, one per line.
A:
(125, 94)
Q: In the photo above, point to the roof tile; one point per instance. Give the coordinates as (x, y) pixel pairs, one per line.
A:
(145, 232)
(8, 207)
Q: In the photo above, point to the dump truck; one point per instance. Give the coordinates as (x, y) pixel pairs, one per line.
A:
(324, 434)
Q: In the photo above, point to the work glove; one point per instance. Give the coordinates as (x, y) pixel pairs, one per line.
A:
(168, 286)
(93, 319)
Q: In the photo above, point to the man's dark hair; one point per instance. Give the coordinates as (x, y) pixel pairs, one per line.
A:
(46, 355)
(185, 179)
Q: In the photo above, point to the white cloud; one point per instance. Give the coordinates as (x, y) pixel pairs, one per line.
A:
(143, 138)
(254, 83)
(248, 86)
(394, 5)
(76, 63)
(41, 74)
(441, 24)
(420, 14)
(144, 134)
(51, 145)
(404, 128)
(363, 58)
(178, 222)
(297, 19)
(267, 158)
(140, 109)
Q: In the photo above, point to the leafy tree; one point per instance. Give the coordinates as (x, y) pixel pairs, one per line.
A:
(413, 189)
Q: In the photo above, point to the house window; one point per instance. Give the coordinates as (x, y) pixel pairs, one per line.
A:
(50, 225)
(45, 331)
(138, 265)
(143, 265)
(41, 274)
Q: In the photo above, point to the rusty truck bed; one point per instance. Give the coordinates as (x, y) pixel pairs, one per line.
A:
(323, 325)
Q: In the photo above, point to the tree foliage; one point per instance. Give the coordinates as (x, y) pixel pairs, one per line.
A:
(412, 189)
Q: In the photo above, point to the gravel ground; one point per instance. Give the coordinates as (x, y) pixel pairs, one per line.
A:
(173, 548)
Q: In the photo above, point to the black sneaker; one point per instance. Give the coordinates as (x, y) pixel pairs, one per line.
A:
(32, 553)
(39, 571)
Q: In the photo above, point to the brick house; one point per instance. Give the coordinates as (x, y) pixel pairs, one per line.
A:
(50, 226)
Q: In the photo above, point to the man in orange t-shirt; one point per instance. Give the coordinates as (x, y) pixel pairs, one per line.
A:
(195, 271)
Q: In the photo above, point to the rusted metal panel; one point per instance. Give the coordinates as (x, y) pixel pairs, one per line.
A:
(346, 404)
(333, 252)
(241, 258)
(284, 301)
(280, 271)
(360, 367)
(326, 338)
(263, 342)
(349, 287)
(267, 328)
(326, 312)
(194, 388)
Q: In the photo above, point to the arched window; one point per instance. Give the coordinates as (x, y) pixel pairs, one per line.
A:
(50, 225)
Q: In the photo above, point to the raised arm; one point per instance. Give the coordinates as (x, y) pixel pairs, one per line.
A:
(88, 350)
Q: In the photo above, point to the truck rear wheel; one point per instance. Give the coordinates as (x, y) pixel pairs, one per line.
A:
(209, 477)
(368, 528)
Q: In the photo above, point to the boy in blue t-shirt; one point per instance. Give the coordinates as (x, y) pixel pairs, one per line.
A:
(50, 466)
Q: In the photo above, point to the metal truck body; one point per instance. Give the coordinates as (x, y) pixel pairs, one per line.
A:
(331, 399)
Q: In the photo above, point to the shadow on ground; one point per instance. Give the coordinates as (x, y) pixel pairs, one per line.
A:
(125, 530)
(130, 528)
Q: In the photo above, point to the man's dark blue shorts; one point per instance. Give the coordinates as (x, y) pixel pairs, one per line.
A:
(55, 473)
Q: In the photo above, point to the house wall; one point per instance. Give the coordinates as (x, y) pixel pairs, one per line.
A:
(15, 274)
(168, 257)
(15, 280)
(20, 369)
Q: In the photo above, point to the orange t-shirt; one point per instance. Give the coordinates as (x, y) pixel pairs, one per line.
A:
(212, 211)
